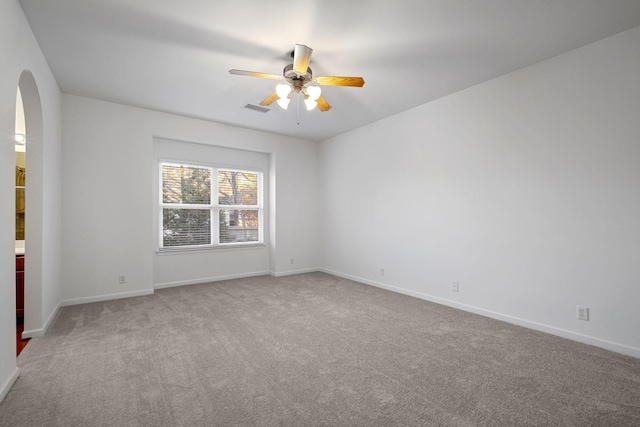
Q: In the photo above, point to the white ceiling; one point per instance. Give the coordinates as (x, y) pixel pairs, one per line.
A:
(174, 56)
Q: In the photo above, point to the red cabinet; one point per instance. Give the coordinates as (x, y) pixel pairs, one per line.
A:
(19, 287)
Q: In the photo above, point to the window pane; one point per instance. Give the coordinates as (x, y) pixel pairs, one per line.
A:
(237, 188)
(238, 225)
(184, 227)
(186, 184)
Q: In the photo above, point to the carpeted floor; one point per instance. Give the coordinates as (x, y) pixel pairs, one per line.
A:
(309, 350)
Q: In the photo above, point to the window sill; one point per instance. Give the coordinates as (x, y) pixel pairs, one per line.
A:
(184, 250)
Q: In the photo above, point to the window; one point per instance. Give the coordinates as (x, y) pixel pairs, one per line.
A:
(204, 206)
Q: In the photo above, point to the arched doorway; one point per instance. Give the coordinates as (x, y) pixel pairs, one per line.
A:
(20, 173)
(33, 204)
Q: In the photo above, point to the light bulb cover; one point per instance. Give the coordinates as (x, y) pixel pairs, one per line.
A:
(314, 92)
(283, 90)
(20, 138)
(310, 103)
(283, 102)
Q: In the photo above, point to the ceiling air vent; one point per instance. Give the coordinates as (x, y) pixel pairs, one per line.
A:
(257, 108)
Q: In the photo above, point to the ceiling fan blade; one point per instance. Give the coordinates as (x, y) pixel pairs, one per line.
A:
(269, 99)
(339, 81)
(323, 105)
(301, 58)
(255, 74)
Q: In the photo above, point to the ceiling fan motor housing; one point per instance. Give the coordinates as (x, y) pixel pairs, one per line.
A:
(297, 80)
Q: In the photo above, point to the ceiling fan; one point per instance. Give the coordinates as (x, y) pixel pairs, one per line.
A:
(299, 79)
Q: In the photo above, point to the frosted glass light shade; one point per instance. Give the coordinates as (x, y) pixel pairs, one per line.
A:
(310, 103)
(314, 92)
(283, 102)
(283, 90)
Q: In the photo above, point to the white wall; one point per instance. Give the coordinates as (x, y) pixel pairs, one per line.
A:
(19, 52)
(109, 202)
(525, 189)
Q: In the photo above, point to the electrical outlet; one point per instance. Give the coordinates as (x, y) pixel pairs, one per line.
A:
(583, 313)
(122, 279)
(382, 271)
(455, 286)
(292, 261)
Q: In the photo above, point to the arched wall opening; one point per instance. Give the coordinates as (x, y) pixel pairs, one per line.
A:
(33, 236)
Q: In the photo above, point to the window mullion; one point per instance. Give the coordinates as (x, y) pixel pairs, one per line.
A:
(240, 207)
(186, 206)
(215, 212)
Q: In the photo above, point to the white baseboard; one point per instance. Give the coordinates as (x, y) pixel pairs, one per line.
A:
(34, 333)
(6, 386)
(107, 297)
(586, 339)
(292, 272)
(209, 279)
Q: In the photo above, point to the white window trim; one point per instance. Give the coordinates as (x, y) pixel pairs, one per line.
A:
(214, 209)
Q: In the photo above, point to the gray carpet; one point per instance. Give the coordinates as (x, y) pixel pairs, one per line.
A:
(309, 350)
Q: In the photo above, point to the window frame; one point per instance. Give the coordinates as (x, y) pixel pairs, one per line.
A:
(214, 207)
